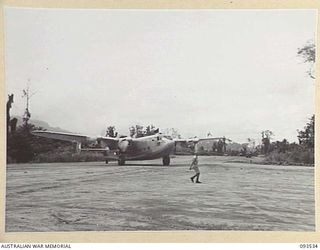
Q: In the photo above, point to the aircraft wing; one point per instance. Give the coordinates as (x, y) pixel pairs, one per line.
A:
(61, 136)
(196, 140)
(105, 143)
(72, 137)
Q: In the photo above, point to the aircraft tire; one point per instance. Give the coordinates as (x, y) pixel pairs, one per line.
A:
(166, 160)
(107, 161)
(121, 161)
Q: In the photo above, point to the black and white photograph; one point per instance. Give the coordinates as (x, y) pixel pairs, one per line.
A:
(160, 119)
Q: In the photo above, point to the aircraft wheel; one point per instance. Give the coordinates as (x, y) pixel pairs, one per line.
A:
(107, 161)
(166, 160)
(121, 161)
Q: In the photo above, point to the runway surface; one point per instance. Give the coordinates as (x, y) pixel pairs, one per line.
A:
(148, 196)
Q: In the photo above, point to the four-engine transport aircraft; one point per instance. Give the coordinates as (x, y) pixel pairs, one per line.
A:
(125, 148)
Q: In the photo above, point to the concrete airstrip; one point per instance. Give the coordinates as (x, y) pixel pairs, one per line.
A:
(148, 196)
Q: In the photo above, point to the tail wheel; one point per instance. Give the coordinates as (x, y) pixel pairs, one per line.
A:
(121, 161)
(166, 160)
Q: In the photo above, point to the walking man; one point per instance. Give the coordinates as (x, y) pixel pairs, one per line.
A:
(194, 165)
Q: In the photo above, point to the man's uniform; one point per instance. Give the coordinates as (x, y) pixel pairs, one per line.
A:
(194, 166)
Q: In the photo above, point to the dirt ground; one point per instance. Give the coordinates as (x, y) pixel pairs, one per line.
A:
(148, 196)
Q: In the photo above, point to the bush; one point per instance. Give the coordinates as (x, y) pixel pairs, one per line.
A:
(68, 156)
(300, 156)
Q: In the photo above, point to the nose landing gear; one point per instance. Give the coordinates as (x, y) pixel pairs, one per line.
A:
(166, 160)
(121, 161)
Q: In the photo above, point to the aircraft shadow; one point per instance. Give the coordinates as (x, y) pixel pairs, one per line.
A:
(114, 164)
(144, 165)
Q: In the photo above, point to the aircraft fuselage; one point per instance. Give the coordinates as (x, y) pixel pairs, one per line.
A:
(144, 148)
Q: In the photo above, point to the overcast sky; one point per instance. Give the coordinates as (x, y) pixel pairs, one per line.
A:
(232, 72)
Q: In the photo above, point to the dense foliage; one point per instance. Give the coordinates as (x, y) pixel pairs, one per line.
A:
(308, 53)
(22, 146)
(291, 153)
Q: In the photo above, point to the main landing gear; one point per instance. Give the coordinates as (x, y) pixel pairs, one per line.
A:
(121, 161)
(166, 160)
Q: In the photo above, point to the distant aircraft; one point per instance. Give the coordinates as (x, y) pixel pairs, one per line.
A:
(124, 148)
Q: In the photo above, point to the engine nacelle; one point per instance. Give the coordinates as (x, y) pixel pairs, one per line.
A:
(124, 144)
